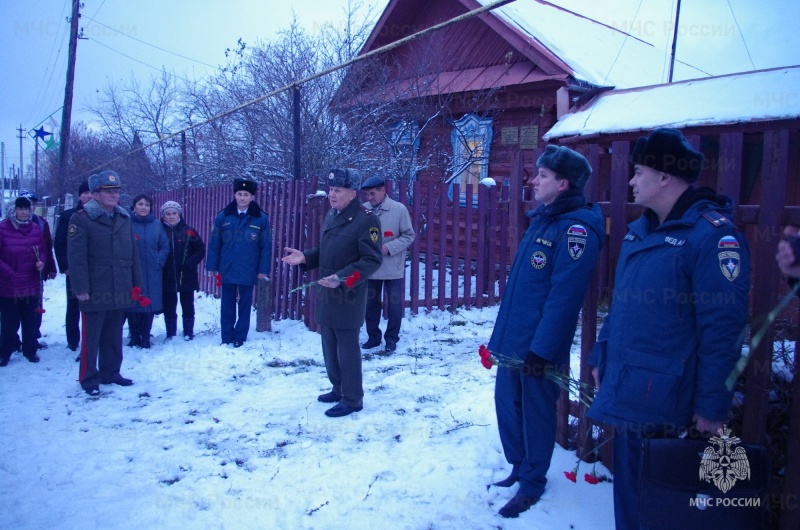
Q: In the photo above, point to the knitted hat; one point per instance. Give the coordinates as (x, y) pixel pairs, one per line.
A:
(668, 150)
(344, 178)
(245, 185)
(84, 187)
(22, 202)
(567, 164)
(28, 195)
(171, 205)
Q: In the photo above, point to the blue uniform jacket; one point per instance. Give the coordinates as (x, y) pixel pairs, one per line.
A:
(240, 248)
(677, 319)
(548, 280)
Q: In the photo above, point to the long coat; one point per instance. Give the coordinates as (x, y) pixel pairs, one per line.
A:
(398, 234)
(103, 259)
(350, 241)
(240, 248)
(60, 240)
(153, 248)
(18, 275)
(186, 251)
(674, 331)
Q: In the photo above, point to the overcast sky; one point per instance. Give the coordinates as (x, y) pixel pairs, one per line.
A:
(34, 39)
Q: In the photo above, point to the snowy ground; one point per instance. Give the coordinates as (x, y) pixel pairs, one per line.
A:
(213, 437)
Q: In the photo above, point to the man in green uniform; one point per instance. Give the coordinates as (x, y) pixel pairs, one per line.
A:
(350, 243)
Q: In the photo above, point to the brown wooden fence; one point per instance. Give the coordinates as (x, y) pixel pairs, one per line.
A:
(462, 254)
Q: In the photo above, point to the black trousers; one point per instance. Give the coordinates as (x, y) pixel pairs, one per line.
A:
(73, 318)
(393, 291)
(16, 312)
(170, 299)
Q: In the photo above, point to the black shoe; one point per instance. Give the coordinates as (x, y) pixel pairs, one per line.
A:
(33, 358)
(135, 342)
(371, 344)
(340, 409)
(73, 347)
(3, 362)
(506, 482)
(92, 390)
(330, 397)
(145, 343)
(518, 504)
(78, 359)
(188, 337)
(119, 380)
(237, 343)
(41, 345)
(390, 348)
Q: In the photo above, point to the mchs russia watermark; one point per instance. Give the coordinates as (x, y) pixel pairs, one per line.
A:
(724, 463)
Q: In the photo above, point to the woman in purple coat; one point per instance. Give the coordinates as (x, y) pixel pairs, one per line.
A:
(21, 253)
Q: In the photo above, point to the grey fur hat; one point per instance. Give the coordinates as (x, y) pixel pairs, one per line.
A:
(344, 178)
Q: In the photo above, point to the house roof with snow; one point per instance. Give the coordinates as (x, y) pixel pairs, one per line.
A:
(521, 42)
(763, 95)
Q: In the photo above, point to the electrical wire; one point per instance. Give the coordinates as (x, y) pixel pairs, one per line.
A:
(160, 70)
(152, 45)
(742, 35)
(623, 43)
(377, 51)
(43, 86)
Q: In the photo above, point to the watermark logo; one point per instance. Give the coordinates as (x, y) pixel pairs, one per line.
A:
(722, 463)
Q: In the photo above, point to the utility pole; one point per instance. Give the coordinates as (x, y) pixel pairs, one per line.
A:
(3, 176)
(183, 168)
(66, 114)
(298, 138)
(21, 160)
(674, 41)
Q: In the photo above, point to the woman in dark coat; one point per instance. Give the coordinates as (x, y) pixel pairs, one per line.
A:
(153, 247)
(186, 251)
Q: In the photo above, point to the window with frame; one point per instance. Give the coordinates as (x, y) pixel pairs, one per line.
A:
(471, 138)
(404, 144)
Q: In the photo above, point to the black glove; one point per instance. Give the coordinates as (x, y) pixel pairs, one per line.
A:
(534, 366)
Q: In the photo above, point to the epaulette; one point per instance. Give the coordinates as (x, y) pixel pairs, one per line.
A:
(715, 218)
(367, 211)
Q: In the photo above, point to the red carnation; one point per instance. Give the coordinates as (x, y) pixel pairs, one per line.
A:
(570, 475)
(351, 280)
(388, 233)
(136, 237)
(487, 363)
(144, 301)
(591, 479)
(484, 352)
(40, 310)
(218, 278)
(136, 293)
(191, 233)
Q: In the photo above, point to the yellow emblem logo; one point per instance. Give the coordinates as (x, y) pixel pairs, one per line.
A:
(374, 233)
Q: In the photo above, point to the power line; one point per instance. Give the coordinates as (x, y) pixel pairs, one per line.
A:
(623, 43)
(41, 98)
(330, 70)
(742, 35)
(138, 61)
(152, 45)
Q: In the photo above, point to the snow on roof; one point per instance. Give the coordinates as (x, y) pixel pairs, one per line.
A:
(597, 53)
(735, 98)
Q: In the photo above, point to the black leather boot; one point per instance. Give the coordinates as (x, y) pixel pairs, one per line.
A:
(172, 326)
(146, 325)
(188, 328)
(134, 329)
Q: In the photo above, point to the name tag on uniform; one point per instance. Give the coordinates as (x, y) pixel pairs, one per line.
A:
(544, 242)
(256, 227)
(674, 241)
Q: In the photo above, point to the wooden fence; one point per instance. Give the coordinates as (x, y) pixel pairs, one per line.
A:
(462, 255)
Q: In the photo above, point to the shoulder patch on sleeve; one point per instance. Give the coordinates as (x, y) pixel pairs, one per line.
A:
(577, 230)
(73, 229)
(715, 218)
(374, 233)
